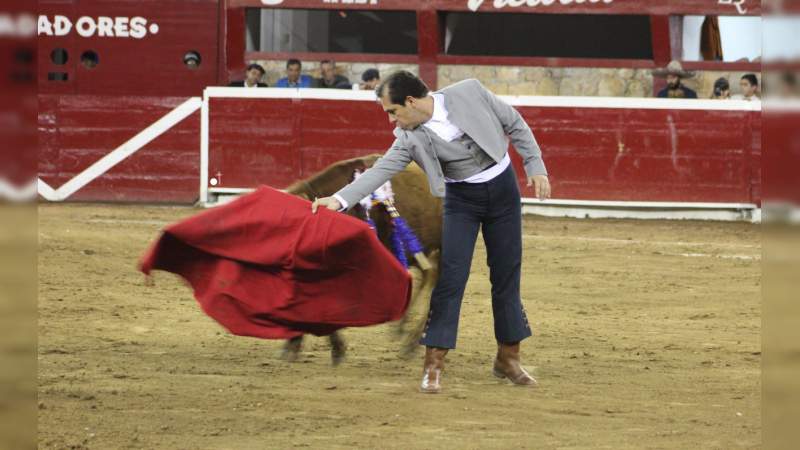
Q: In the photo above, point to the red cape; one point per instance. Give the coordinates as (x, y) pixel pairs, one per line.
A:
(265, 266)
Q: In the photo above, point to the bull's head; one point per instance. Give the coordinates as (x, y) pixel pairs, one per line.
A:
(334, 177)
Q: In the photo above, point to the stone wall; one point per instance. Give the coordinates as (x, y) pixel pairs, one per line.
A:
(509, 80)
(512, 80)
(277, 69)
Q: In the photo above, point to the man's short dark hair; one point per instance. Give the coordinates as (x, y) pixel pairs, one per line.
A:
(751, 77)
(370, 74)
(327, 61)
(294, 62)
(721, 84)
(400, 85)
(256, 67)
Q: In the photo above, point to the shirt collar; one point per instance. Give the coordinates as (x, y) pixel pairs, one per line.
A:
(439, 110)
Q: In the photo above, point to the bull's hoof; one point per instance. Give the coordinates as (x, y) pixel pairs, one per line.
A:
(291, 350)
(338, 349)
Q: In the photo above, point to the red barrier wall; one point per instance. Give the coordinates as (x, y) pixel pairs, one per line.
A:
(591, 153)
(77, 130)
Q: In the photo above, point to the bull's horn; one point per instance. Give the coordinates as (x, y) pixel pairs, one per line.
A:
(422, 260)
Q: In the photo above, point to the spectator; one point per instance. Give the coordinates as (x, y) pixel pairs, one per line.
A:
(253, 74)
(749, 85)
(293, 78)
(329, 77)
(370, 80)
(674, 73)
(722, 89)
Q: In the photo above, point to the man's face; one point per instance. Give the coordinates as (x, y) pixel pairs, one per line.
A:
(253, 76)
(673, 81)
(748, 90)
(328, 72)
(372, 84)
(293, 72)
(407, 116)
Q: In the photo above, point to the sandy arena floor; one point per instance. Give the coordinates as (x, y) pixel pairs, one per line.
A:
(646, 335)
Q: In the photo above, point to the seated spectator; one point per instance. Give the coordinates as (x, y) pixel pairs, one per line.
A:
(749, 86)
(369, 80)
(293, 78)
(253, 74)
(329, 77)
(674, 73)
(722, 89)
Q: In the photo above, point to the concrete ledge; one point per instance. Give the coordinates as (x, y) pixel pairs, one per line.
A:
(594, 209)
(599, 209)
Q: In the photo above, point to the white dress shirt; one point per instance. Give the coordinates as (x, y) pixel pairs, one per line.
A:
(446, 130)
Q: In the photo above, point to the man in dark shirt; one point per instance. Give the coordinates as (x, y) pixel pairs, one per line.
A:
(254, 74)
(674, 73)
(329, 77)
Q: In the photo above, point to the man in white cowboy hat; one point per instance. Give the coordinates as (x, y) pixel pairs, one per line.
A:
(674, 73)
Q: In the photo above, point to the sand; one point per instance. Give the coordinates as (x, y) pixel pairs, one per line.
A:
(646, 335)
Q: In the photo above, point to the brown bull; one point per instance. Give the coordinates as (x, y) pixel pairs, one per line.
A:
(418, 207)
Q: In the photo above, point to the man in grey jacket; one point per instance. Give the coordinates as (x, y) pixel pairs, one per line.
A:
(459, 136)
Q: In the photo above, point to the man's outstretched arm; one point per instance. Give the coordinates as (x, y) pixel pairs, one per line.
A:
(395, 160)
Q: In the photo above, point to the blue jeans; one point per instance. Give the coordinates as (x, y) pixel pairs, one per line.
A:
(495, 208)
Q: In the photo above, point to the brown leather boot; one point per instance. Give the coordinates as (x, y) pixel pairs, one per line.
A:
(507, 365)
(432, 370)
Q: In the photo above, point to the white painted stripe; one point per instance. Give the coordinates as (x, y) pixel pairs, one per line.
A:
(642, 242)
(130, 147)
(727, 215)
(229, 191)
(521, 100)
(47, 192)
(204, 136)
(13, 193)
(637, 204)
(782, 105)
(291, 93)
(632, 103)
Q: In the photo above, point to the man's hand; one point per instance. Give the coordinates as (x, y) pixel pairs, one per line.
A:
(326, 202)
(542, 186)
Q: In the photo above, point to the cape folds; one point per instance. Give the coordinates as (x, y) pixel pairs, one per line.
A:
(265, 266)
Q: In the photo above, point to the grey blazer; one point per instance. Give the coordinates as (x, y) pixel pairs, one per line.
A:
(488, 120)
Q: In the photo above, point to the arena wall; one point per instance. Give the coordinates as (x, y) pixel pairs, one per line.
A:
(127, 149)
(595, 148)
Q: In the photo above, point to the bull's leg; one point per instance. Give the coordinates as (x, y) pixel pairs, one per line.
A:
(338, 348)
(291, 349)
